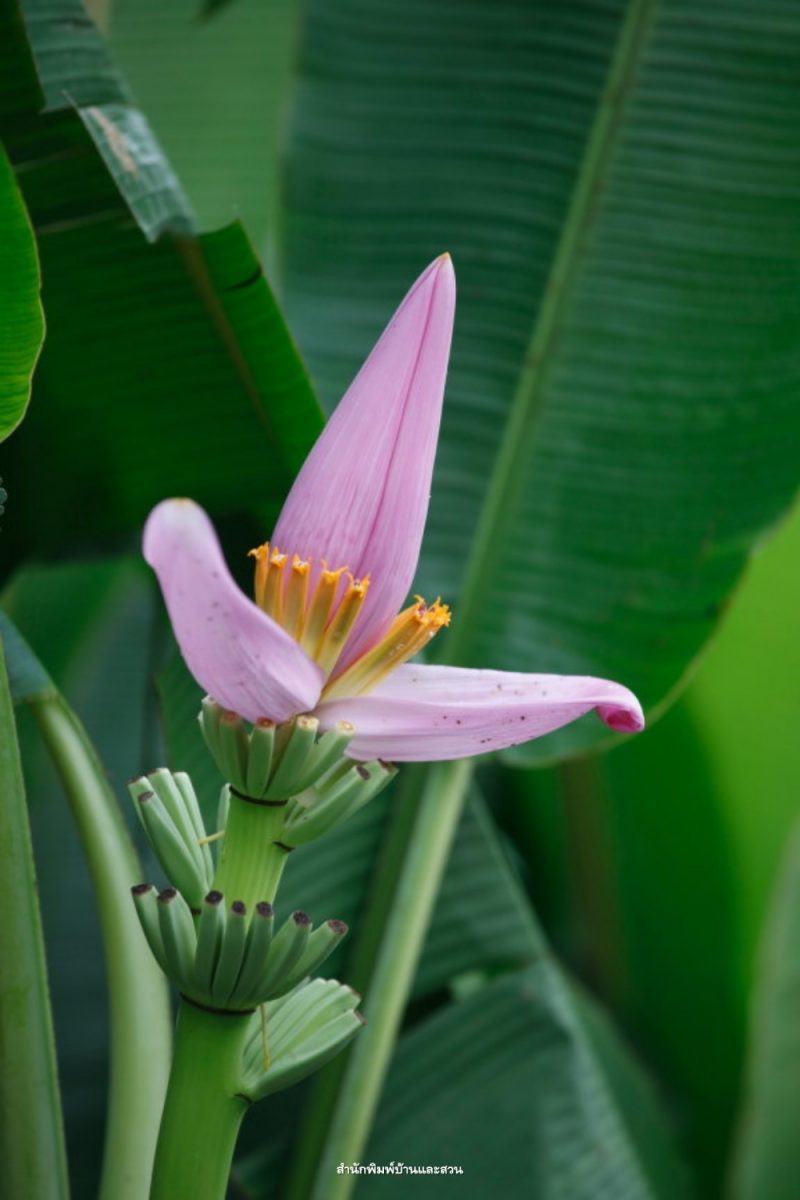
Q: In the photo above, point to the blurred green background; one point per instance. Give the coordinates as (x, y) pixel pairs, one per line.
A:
(631, 172)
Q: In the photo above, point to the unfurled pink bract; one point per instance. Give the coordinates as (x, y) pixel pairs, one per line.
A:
(324, 635)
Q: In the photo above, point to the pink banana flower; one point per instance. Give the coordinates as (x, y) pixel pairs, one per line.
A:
(323, 635)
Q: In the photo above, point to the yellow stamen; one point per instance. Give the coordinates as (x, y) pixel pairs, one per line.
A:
(261, 555)
(321, 620)
(272, 602)
(296, 594)
(211, 837)
(319, 609)
(333, 639)
(410, 631)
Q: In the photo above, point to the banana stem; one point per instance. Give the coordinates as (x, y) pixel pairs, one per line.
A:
(138, 1000)
(252, 858)
(440, 808)
(203, 1110)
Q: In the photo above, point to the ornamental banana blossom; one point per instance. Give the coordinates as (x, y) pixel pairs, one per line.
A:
(324, 634)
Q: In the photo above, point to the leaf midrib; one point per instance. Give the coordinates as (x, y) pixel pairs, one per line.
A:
(527, 405)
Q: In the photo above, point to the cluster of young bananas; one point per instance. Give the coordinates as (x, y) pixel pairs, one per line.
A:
(295, 765)
(291, 767)
(222, 954)
(223, 960)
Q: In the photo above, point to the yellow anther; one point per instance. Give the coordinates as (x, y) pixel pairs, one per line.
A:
(319, 609)
(261, 555)
(273, 592)
(269, 579)
(321, 619)
(294, 610)
(338, 629)
(409, 632)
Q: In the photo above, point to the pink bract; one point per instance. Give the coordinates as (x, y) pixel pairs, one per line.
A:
(361, 501)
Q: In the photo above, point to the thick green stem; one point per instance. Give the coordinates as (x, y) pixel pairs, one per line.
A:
(318, 1113)
(437, 819)
(203, 1111)
(138, 999)
(251, 863)
(32, 1156)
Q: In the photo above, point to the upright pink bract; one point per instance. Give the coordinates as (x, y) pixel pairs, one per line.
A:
(361, 497)
(360, 502)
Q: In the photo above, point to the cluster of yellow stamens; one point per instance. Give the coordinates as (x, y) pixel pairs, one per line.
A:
(321, 619)
(411, 629)
(320, 622)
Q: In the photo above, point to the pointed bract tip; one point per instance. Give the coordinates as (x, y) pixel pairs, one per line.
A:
(443, 270)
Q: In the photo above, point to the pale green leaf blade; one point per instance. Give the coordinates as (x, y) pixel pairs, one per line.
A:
(767, 1163)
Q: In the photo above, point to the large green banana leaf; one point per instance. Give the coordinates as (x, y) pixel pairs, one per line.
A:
(618, 185)
(168, 367)
(653, 866)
